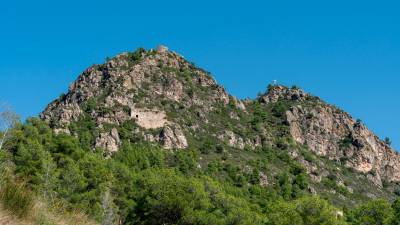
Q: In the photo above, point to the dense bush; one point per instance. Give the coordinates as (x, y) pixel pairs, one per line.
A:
(136, 55)
(306, 210)
(377, 212)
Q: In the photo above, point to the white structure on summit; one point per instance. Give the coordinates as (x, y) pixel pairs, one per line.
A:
(162, 48)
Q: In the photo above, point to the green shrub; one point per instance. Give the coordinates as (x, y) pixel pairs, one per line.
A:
(279, 108)
(308, 156)
(397, 190)
(16, 198)
(207, 146)
(136, 55)
(388, 141)
(219, 149)
(377, 212)
(346, 142)
(316, 211)
(89, 105)
(331, 182)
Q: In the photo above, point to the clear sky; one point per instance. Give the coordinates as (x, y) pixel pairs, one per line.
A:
(347, 52)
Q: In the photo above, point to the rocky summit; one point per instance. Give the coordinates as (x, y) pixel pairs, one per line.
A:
(158, 97)
(155, 89)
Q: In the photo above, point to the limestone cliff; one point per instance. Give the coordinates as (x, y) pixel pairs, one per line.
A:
(331, 132)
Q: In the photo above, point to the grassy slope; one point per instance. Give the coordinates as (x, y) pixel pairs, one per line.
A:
(19, 206)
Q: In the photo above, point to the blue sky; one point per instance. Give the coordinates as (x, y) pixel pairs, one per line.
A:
(346, 52)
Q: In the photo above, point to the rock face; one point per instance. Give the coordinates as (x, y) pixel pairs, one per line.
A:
(158, 97)
(109, 141)
(173, 137)
(234, 140)
(333, 133)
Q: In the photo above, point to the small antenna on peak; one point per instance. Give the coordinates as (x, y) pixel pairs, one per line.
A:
(275, 82)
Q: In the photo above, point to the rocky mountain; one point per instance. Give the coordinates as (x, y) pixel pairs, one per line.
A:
(157, 96)
(331, 132)
(144, 87)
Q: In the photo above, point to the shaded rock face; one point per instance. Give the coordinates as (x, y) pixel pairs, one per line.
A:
(330, 132)
(136, 87)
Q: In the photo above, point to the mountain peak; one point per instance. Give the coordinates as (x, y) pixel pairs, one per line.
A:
(145, 88)
(276, 93)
